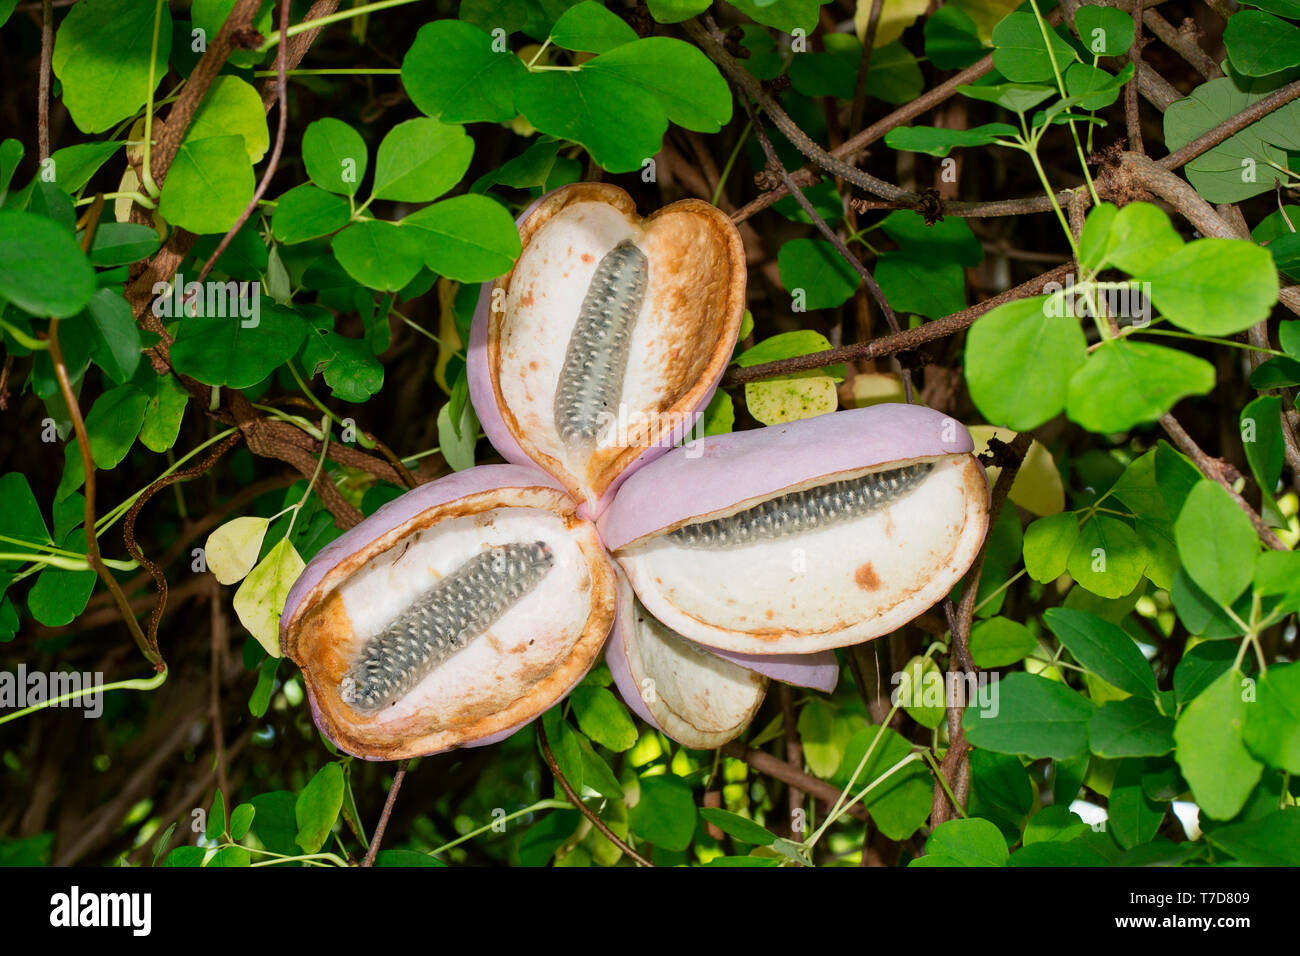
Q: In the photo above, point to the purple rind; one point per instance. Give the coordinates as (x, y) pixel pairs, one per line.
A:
(716, 473)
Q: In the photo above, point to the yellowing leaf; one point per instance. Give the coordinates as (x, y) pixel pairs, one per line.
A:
(873, 388)
(1037, 487)
(806, 395)
(895, 17)
(232, 550)
(260, 599)
(986, 14)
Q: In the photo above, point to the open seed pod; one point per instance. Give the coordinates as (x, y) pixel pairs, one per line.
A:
(597, 351)
(675, 685)
(801, 537)
(452, 616)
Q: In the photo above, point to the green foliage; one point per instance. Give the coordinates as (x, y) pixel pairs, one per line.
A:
(1126, 636)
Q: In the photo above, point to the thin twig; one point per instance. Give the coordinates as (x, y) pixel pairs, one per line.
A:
(398, 777)
(581, 807)
(776, 767)
(864, 274)
(1131, 117)
(43, 84)
(904, 341)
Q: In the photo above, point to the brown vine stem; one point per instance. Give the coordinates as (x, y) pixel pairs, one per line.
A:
(1131, 117)
(706, 38)
(43, 87)
(1215, 471)
(578, 805)
(282, 122)
(776, 767)
(864, 274)
(1256, 111)
(955, 767)
(905, 341)
(864, 66)
(398, 777)
(88, 519)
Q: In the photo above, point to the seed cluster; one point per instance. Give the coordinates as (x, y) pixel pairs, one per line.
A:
(443, 620)
(591, 379)
(803, 511)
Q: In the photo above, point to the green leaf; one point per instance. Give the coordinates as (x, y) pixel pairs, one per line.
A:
(1017, 97)
(318, 807)
(922, 284)
(260, 598)
(1105, 31)
(900, 803)
(688, 87)
(216, 818)
(1104, 649)
(620, 127)
(1000, 641)
(815, 268)
(102, 57)
(260, 699)
(1273, 724)
(42, 269)
(921, 691)
(1019, 359)
(421, 159)
(1125, 383)
(351, 370)
(1020, 54)
(675, 11)
(232, 106)
(220, 350)
(1215, 286)
(118, 243)
(73, 166)
(939, 142)
(969, 842)
(824, 737)
(952, 40)
(115, 335)
(1141, 238)
(453, 73)
(209, 184)
(1033, 716)
(58, 597)
(1048, 543)
(1216, 542)
(1108, 557)
(335, 156)
(742, 828)
(1261, 438)
(308, 212)
(378, 254)
(785, 15)
(590, 28)
(1054, 824)
(1273, 840)
(1259, 44)
(457, 443)
(665, 814)
(1210, 749)
(1130, 728)
(1096, 89)
(949, 239)
(20, 515)
(241, 818)
(1281, 371)
(468, 238)
(113, 424)
(1132, 817)
(603, 718)
(163, 414)
(229, 856)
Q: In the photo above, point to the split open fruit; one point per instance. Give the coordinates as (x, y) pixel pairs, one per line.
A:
(470, 605)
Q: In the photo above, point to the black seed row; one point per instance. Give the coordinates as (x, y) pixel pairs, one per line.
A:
(807, 510)
(443, 620)
(591, 380)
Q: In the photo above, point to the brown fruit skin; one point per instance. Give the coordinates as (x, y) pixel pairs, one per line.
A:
(698, 253)
(317, 634)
